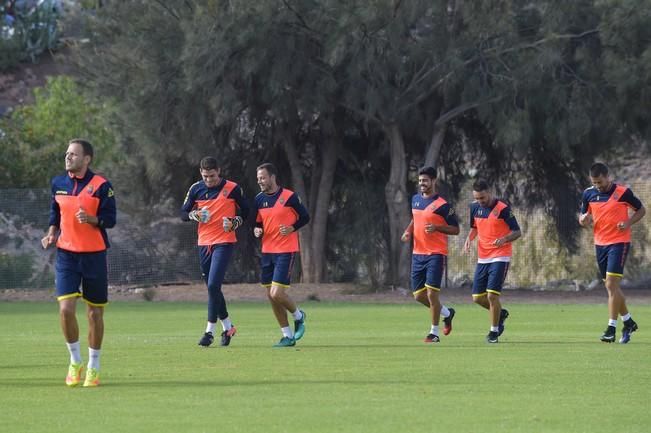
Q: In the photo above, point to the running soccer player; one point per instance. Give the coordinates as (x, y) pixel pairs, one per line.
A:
(493, 222)
(82, 208)
(612, 209)
(279, 214)
(433, 220)
(218, 207)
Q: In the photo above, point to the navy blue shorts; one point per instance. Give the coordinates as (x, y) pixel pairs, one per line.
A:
(82, 274)
(612, 258)
(276, 268)
(427, 271)
(489, 277)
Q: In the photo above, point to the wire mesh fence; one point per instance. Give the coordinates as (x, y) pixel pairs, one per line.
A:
(164, 250)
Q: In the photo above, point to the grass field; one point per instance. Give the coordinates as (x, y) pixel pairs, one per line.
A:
(359, 368)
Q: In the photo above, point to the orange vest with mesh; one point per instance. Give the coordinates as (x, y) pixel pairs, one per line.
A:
(272, 218)
(429, 243)
(488, 230)
(75, 236)
(606, 215)
(219, 207)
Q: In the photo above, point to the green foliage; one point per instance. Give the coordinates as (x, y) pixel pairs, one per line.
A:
(33, 31)
(36, 135)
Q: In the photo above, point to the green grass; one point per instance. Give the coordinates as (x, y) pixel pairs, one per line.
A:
(360, 368)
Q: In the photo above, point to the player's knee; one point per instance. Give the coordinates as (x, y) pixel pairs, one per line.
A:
(66, 310)
(478, 300)
(95, 314)
(493, 298)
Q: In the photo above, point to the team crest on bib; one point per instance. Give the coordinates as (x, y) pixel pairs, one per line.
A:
(90, 189)
(282, 201)
(616, 196)
(495, 212)
(225, 193)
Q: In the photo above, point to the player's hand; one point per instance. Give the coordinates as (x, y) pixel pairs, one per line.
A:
(82, 216)
(231, 224)
(499, 242)
(286, 230)
(257, 232)
(430, 228)
(406, 237)
(200, 215)
(623, 225)
(585, 219)
(47, 241)
(466, 246)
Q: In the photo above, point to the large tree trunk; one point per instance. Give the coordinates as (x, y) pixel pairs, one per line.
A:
(397, 200)
(305, 233)
(329, 156)
(435, 144)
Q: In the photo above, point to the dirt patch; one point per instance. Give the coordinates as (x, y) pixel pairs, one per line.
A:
(196, 292)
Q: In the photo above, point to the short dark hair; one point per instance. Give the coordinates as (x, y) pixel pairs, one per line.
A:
(208, 163)
(480, 185)
(598, 169)
(428, 171)
(85, 145)
(271, 169)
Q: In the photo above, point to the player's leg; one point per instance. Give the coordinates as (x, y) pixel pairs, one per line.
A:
(221, 256)
(479, 284)
(67, 282)
(281, 279)
(497, 275)
(418, 278)
(205, 263)
(95, 293)
(434, 275)
(617, 255)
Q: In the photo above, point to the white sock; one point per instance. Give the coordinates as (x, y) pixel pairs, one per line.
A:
(434, 330)
(495, 328)
(227, 324)
(444, 311)
(612, 322)
(287, 332)
(626, 317)
(210, 327)
(297, 314)
(93, 358)
(75, 352)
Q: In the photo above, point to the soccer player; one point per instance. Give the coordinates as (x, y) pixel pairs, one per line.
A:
(218, 207)
(82, 208)
(433, 220)
(606, 205)
(493, 222)
(279, 214)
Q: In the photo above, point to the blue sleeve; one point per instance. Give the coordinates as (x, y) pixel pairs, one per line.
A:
(629, 197)
(188, 204)
(584, 202)
(509, 218)
(238, 195)
(107, 213)
(472, 216)
(303, 217)
(447, 212)
(55, 212)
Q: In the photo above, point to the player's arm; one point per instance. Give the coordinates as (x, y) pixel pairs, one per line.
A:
(635, 204)
(107, 212)
(409, 230)
(232, 224)
(451, 226)
(258, 229)
(509, 218)
(585, 216)
(472, 234)
(50, 237)
(189, 211)
(303, 217)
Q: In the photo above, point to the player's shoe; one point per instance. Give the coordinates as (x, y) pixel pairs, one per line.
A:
(226, 336)
(492, 337)
(206, 339)
(504, 314)
(629, 327)
(74, 374)
(286, 342)
(432, 338)
(299, 326)
(609, 335)
(92, 378)
(447, 322)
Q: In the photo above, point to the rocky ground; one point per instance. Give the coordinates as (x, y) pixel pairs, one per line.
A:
(328, 293)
